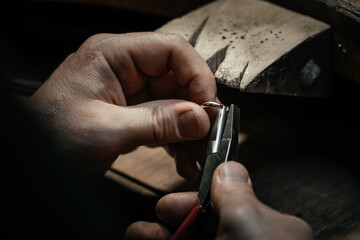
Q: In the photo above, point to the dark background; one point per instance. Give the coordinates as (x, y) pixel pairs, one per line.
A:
(302, 153)
(37, 36)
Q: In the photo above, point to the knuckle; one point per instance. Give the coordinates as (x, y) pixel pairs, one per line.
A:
(173, 38)
(245, 209)
(95, 44)
(178, 39)
(159, 125)
(69, 56)
(92, 50)
(240, 213)
(95, 41)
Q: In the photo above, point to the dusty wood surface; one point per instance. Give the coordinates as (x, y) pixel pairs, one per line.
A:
(258, 47)
(344, 18)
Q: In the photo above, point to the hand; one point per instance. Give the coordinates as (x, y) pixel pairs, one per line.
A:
(241, 214)
(117, 92)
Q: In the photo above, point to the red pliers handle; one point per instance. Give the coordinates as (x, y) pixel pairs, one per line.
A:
(192, 225)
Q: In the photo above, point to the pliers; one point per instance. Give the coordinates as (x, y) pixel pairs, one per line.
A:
(222, 147)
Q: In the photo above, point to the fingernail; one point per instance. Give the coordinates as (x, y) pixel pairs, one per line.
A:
(232, 171)
(189, 124)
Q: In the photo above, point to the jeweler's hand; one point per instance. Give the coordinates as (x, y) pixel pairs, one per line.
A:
(241, 215)
(117, 92)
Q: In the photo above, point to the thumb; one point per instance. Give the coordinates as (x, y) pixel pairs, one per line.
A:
(243, 216)
(231, 188)
(162, 121)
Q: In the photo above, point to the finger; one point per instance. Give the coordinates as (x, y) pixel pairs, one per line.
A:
(231, 187)
(235, 201)
(146, 231)
(173, 208)
(189, 157)
(185, 161)
(161, 121)
(162, 87)
(132, 56)
(166, 86)
(198, 150)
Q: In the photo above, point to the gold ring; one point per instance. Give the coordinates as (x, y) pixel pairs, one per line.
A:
(212, 104)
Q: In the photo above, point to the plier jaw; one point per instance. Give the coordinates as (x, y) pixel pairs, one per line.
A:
(222, 147)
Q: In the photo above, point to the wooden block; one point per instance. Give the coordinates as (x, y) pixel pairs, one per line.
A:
(344, 18)
(259, 47)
